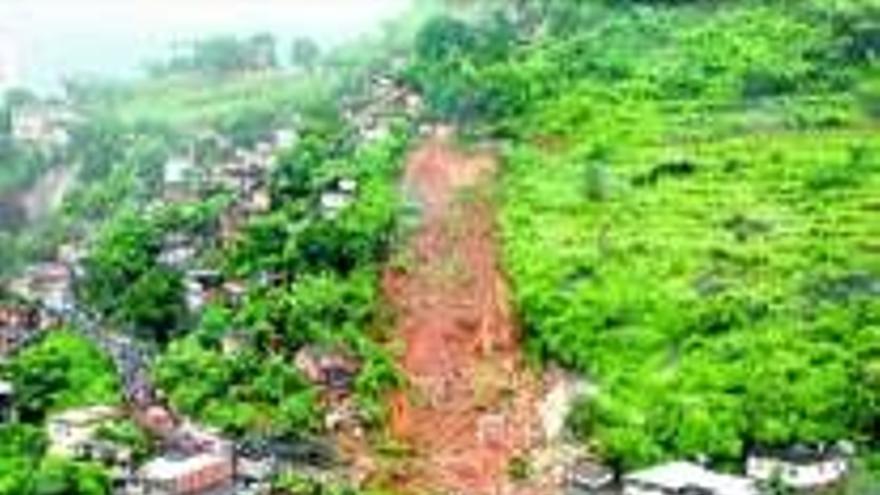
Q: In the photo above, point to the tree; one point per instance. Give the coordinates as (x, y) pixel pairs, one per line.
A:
(154, 304)
(444, 37)
(262, 53)
(125, 282)
(60, 372)
(304, 53)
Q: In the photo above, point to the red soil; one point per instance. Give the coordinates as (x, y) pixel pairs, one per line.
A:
(471, 405)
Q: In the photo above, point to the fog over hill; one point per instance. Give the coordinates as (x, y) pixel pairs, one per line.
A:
(42, 41)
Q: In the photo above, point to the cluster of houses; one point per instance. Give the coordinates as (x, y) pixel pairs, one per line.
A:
(566, 462)
(800, 468)
(386, 99)
(193, 461)
(21, 321)
(44, 125)
(241, 172)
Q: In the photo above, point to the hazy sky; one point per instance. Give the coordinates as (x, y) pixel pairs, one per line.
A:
(40, 40)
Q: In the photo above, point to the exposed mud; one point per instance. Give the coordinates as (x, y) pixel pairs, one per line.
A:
(471, 407)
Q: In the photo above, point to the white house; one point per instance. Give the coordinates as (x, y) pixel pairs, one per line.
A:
(7, 394)
(333, 202)
(684, 478)
(285, 138)
(49, 283)
(801, 467)
(588, 478)
(178, 177)
(72, 429)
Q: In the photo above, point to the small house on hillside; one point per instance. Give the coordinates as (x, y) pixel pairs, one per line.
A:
(188, 475)
(684, 478)
(802, 467)
(338, 197)
(178, 250)
(42, 124)
(586, 477)
(50, 284)
(285, 138)
(332, 370)
(200, 285)
(178, 178)
(18, 316)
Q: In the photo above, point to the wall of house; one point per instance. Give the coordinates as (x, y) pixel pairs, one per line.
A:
(798, 475)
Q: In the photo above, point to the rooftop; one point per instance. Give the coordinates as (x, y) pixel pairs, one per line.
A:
(682, 475)
(172, 468)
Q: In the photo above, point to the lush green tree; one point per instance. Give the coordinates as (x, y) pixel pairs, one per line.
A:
(24, 469)
(62, 371)
(444, 37)
(304, 53)
(125, 282)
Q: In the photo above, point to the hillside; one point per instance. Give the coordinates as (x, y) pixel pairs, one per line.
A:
(498, 246)
(689, 213)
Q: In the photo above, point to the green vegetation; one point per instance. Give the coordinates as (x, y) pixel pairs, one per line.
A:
(60, 372)
(294, 484)
(128, 434)
(242, 394)
(688, 213)
(25, 471)
(328, 295)
(222, 56)
(193, 102)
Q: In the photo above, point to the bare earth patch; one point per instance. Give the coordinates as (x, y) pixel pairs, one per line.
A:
(472, 405)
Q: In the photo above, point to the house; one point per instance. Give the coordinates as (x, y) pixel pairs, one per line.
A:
(338, 197)
(199, 286)
(70, 430)
(42, 124)
(585, 477)
(18, 316)
(51, 284)
(7, 396)
(187, 475)
(157, 420)
(178, 250)
(235, 292)
(333, 202)
(801, 467)
(332, 370)
(258, 202)
(192, 439)
(684, 478)
(178, 178)
(285, 138)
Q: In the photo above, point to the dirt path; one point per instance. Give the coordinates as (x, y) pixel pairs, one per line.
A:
(472, 406)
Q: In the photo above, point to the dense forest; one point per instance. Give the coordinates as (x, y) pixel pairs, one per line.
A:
(689, 211)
